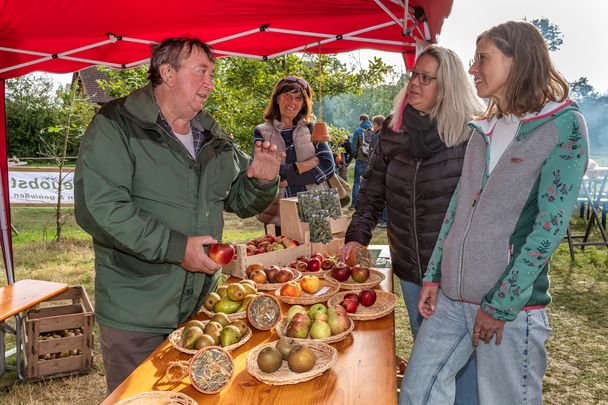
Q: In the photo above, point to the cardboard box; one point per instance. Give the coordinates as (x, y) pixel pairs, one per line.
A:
(66, 353)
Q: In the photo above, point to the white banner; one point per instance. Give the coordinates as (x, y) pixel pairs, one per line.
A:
(40, 187)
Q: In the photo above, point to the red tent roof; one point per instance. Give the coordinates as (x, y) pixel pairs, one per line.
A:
(62, 36)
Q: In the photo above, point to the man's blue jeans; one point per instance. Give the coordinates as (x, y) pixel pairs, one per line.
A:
(360, 167)
(511, 373)
(466, 379)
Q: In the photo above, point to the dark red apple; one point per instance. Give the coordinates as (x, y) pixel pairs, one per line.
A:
(271, 273)
(367, 297)
(350, 306)
(317, 255)
(359, 274)
(351, 297)
(340, 272)
(328, 264)
(314, 264)
(221, 253)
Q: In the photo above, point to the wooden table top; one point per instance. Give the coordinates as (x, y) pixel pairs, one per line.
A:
(24, 294)
(365, 372)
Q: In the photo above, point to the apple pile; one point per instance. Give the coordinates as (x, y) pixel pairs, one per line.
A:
(343, 272)
(44, 336)
(270, 274)
(309, 284)
(351, 301)
(316, 262)
(269, 243)
(231, 298)
(318, 322)
(220, 331)
(300, 358)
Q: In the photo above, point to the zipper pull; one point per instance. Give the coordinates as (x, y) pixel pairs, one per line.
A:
(476, 198)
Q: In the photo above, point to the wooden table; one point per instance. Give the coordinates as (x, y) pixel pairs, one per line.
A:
(363, 374)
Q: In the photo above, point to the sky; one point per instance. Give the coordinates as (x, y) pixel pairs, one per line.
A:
(583, 53)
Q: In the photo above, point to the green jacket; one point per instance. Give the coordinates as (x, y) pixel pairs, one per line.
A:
(140, 194)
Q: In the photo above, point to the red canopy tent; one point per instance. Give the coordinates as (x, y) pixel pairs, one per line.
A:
(63, 36)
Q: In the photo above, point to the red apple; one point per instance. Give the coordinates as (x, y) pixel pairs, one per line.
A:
(259, 251)
(250, 250)
(310, 284)
(367, 297)
(350, 306)
(284, 275)
(328, 264)
(340, 272)
(359, 274)
(314, 264)
(291, 244)
(291, 289)
(268, 238)
(317, 255)
(351, 297)
(271, 273)
(301, 266)
(258, 276)
(221, 253)
(253, 266)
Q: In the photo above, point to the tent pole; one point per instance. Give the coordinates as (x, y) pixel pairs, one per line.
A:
(5, 218)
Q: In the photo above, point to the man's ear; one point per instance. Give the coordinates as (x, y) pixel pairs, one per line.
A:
(167, 72)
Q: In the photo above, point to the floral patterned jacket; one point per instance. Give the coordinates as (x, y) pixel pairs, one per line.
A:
(500, 230)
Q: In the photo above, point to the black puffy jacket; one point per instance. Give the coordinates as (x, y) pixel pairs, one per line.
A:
(417, 193)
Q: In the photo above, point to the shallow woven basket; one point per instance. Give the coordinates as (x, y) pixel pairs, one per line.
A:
(158, 398)
(326, 358)
(384, 305)
(281, 329)
(232, 317)
(175, 338)
(273, 286)
(264, 312)
(375, 278)
(309, 299)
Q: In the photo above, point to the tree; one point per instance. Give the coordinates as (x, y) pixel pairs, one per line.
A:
(551, 33)
(581, 88)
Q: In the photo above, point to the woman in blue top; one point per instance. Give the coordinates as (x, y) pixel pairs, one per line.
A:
(307, 165)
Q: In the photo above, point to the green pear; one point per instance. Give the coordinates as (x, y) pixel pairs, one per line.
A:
(230, 335)
(316, 308)
(320, 330)
(227, 306)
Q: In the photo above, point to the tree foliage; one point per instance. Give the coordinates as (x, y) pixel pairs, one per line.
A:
(551, 33)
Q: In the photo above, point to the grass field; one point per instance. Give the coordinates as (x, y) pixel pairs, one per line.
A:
(578, 348)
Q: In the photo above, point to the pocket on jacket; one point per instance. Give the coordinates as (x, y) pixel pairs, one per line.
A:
(142, 268)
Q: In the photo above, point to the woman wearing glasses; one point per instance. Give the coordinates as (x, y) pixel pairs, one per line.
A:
(487, 278)
(414, 171)
(288, 126)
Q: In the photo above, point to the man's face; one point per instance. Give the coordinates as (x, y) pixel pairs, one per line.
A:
(192, 84)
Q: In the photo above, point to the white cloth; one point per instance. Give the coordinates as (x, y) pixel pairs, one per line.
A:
(502, 136)
(187, 140)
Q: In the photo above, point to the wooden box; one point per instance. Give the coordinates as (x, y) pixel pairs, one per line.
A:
(281, 257)
(59, 336)
(292, 227)
(330, 248)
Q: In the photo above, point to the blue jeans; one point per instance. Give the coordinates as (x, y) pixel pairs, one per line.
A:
(359, 170)
(511, 373)
(466, 379)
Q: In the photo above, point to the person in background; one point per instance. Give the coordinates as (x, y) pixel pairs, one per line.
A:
(377, 121)
(486, 286)
(307, 164)
(154, 175)
(343, 159)
(414, 171)
(360, 146)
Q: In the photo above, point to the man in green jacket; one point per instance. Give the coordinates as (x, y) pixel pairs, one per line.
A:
(154, 174)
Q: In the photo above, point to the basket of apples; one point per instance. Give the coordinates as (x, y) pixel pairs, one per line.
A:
(310, 289)
(317, 262)
(269, 243)
(365, 304)
(319, 322)
(356, 277)
(271, 277)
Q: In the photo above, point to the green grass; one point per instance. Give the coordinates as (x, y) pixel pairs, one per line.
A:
(578, 348)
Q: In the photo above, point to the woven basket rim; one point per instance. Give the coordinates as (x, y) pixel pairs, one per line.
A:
(377, 276)
(173, 398)
(307, 299)
(232, 317)
(273, 286)
(279, 376)
(257, 326)
(280, 330)
(200, 353)
(384, 305)
(175, 338)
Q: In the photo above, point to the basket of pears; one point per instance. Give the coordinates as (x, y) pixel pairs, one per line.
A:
(219, 331)
(320, 323)
(231, 299)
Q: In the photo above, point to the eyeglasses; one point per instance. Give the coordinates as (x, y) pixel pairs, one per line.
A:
(423, 77)
(478, 59)
(298, 80)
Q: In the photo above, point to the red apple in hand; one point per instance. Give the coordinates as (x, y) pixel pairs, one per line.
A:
(367, 297)
(221, 253)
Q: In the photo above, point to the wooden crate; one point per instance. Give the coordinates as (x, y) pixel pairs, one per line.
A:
(281, 257)
(68, 310)
(292, 227)
(330, 248)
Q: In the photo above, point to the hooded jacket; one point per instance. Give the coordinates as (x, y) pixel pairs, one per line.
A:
(502, 228)
(356, 140)
(140, 194)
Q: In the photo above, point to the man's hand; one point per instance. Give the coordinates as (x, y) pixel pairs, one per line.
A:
(195, 258)
(427, 300)
(266, 161)
(485, 327)
(307, 165)
(344, 253)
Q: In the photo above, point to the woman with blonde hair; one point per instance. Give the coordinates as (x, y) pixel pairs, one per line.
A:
(414, 170)
(487, 279)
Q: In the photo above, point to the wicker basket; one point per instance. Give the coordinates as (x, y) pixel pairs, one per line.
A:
(309, 299)
(232, 317)
(384, 305)
(326, 358)
(264, 312)
(375, 278)
(175, 338)
(273, 286)
(158, 398)
(281, 329)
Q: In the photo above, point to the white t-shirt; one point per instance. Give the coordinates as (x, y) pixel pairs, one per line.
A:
(502, 136)
(187, 140)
